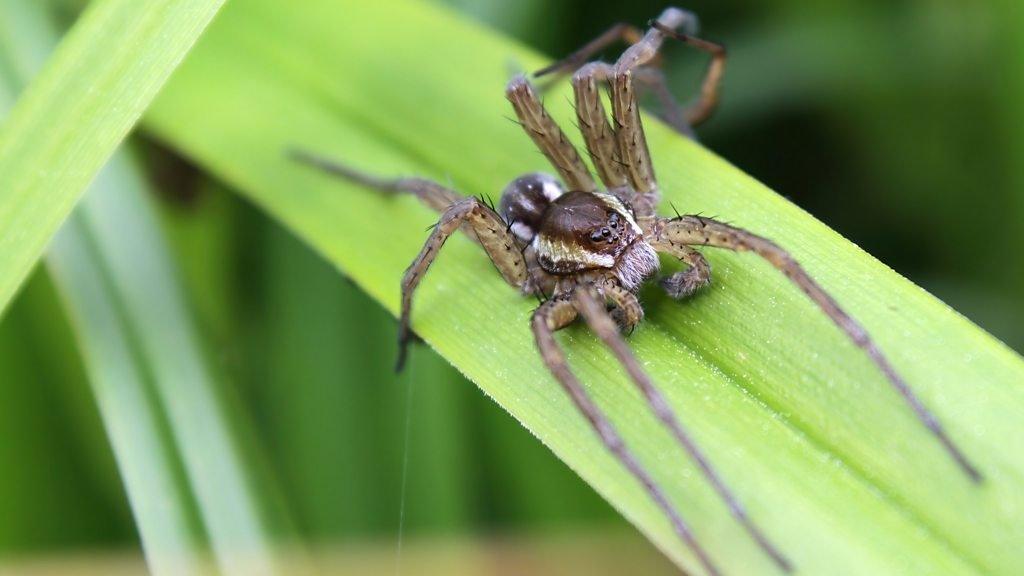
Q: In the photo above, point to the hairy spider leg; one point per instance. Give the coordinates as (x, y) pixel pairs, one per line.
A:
(629, 131)
(597, 132)
(671, 113)
(621, 32)
(701, 231)
(555, 314)
(493, 235)
(710, 93)
(620, 154)
(547, 136)
(592, 307)
(434, 196)
(431, 193)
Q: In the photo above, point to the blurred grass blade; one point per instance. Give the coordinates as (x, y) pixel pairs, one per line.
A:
(828, 458)
(161, 501)
(117, 222)
(69, 121)
(169, 427)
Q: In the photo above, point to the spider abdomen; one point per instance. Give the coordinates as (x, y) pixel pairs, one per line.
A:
(525, 200)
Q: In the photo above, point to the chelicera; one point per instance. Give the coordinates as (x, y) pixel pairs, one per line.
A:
(584, 250)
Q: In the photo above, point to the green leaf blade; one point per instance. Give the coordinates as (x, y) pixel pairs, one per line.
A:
(119, 222)
(161, 503)
(187, 478)
(76, 112)
(827, 457)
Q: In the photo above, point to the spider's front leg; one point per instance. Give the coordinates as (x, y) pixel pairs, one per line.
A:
(493, 234)
(701, 231)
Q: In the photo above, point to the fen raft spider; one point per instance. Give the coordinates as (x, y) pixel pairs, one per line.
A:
(584, 252)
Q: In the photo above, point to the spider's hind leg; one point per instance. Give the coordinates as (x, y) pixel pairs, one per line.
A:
(613, 162)
(622, 32)
(649, 77)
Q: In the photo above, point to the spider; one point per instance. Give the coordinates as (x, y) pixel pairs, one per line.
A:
(585, 251)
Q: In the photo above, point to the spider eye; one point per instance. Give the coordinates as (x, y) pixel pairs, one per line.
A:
(598, 235)
(613, 220)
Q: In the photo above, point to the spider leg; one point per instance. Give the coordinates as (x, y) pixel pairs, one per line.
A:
(686, 282)
(547, 136)
(671, 112)
(602, 141)
(707, 101)
(619, 32)
(597, 132)
(627, 312)
(700, 231)
(558, 313)
(591, 307)
(493, 235)
(629, 131)
(434, 195)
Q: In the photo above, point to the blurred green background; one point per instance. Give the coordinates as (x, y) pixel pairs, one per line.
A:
(900, 124)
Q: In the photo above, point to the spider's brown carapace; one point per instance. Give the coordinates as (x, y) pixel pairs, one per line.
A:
(585, 251)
